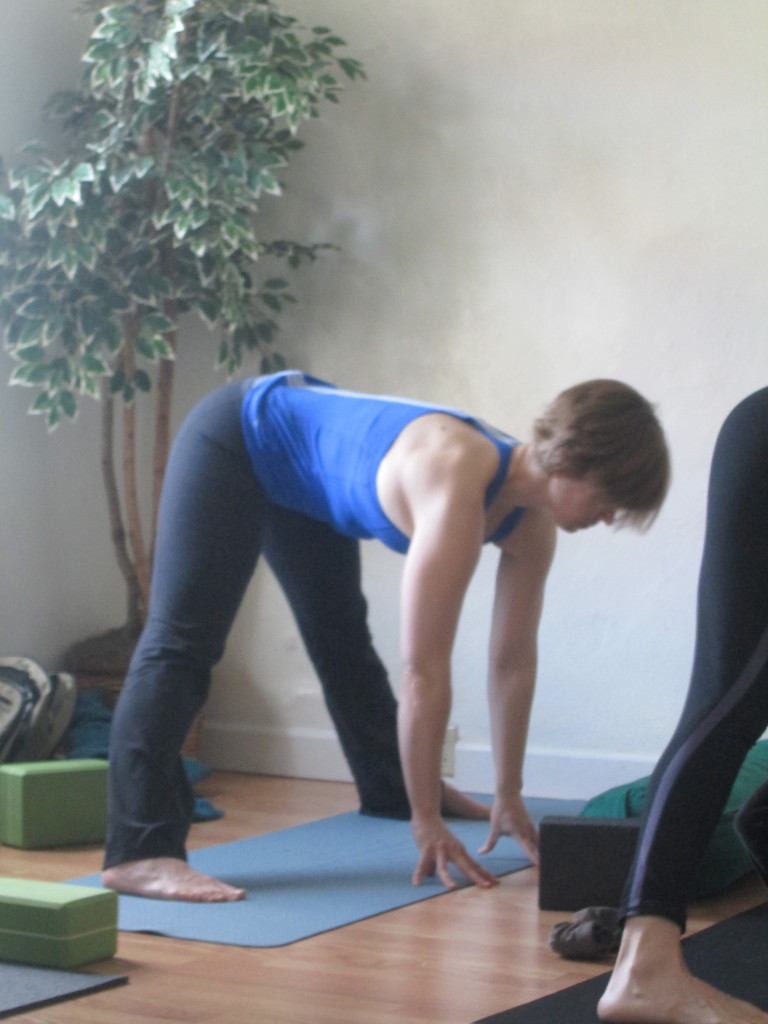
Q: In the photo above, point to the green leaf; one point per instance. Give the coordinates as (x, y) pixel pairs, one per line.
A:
(90, 320)
(156, 323)
(148, 287)
(37, 199)
(109, 335)
(199, 217)
(179, 7)
(38, 307)
(120, 177)
(91, 387)
(142, 381)
(253, 85)
(143, 166)
(104, 119)
(68, 404)
(162, 349)
(174, 186)
(199, 246)
(144, 346)
(86, 253)
(123, 14)
(42, 403)
(93, 364)
(32, 334)
(60, 375)
(7, 208)
(57, 250)
(182, 225)
(270, 184)
(274, 361)
(99, 51)
(22, 375)
(211, 309)
(265, 331)
(70, 262)
(159, 65)
(65, 189)
(84, 172)
(231, 230)
(352, 68)
(124, 35)
(30, 353)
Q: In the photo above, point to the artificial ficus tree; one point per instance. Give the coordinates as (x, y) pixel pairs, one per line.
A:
(186, 115)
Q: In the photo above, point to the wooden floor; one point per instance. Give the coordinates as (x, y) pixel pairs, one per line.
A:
(448, 960)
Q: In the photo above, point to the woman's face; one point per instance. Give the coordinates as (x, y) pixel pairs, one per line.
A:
(578, 504)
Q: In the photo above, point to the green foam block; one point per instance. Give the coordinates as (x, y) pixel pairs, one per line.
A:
(56, 925)
(53, 803)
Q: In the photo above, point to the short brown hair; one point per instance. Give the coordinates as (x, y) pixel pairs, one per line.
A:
(605, 430)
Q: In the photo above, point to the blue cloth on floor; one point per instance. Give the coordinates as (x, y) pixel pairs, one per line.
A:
(88, 736)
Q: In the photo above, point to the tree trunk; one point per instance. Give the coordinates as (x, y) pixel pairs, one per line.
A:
(133, 520)
(136, 608)
(164, 394)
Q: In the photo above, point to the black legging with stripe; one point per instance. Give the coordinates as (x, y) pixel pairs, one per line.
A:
(726, 710)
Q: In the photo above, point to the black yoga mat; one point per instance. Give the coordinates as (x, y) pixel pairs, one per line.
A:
(24, 988)
(731, 955)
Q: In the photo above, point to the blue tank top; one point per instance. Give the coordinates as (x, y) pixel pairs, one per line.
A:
(317, 449)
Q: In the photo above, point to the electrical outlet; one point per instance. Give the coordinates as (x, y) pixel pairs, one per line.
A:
(448, 763)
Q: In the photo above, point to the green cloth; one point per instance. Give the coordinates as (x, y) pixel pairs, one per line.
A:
(725, 859)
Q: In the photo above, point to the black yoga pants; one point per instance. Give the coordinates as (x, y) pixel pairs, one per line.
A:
(214, 521)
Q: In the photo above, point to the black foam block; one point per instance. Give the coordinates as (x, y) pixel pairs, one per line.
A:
(583, 862)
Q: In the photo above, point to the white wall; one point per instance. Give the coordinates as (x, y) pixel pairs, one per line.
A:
(528, 193)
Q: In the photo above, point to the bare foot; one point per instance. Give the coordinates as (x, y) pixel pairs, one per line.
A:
(455, 804)
(166, 878)
(652, 985)
(694, 1002)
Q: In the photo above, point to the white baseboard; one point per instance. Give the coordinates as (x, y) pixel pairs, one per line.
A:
(553, 772)
(268, 750)
(315, 754)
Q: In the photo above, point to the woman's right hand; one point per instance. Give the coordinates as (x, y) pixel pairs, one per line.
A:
(510, 817)
(438, 848)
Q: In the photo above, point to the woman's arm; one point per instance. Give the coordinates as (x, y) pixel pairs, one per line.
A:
(445, 499)
(523, 567)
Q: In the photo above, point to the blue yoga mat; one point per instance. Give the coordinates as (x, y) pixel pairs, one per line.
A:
(312, 878)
